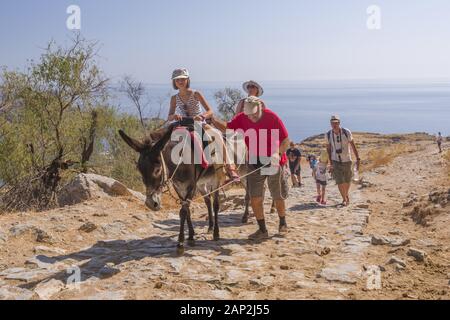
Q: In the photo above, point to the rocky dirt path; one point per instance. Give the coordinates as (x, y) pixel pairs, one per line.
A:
(119, 250)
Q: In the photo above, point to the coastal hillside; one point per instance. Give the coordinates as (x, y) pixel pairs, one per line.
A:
(106, 244)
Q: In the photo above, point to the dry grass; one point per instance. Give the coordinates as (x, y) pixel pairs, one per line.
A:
(384, 155)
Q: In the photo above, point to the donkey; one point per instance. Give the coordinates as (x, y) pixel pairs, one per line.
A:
(187, 178)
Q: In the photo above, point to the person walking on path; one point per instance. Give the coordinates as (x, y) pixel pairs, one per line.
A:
(339, 140)
(253, 89)
(294, 155)
(272, 141)
(320, 175)
(439, 140)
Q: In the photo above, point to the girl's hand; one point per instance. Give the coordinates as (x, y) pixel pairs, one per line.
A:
(177, 117)
(199, 118)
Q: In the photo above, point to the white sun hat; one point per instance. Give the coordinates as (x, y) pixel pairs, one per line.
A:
(254, 83)
(180, 74)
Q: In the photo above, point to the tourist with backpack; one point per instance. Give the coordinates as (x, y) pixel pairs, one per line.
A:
(339, 141)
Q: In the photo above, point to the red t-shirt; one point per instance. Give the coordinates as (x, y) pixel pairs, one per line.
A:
(269, 132)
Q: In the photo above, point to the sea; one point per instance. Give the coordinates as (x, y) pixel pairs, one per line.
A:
(381, 106)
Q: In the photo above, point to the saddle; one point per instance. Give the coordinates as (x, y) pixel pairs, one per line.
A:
(198, 143)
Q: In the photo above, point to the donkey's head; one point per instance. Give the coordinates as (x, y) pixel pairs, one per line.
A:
(150, 165)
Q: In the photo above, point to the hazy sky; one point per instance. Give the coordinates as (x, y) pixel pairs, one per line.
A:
(233, 40)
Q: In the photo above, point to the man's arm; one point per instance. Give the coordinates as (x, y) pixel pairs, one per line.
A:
(355, 151)
(219, 124)
(276, 154)
(284, 145)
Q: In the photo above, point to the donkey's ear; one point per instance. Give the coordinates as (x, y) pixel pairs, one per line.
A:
(133, 143)
(160, 144)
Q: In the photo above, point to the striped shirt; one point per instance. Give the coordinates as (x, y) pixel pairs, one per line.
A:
(189, 109)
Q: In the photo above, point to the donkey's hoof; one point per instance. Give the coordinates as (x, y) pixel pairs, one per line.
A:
(191, 242)
(216, 237)
(210, 230)
(180, 249)
(244, 219)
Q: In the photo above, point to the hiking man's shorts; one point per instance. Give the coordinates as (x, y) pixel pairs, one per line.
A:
(278, 184)
(342, 172)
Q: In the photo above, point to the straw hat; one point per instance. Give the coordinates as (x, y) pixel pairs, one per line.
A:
(253, 83)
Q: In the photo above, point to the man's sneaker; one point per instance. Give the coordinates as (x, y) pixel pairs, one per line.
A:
(283, 228)
(259, 235)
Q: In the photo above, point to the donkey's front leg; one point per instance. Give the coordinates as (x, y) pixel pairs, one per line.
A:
(183, 215)
(210, 213)
(191, 240)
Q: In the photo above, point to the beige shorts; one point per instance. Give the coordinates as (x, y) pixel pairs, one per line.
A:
(278, 184)
(342, 172)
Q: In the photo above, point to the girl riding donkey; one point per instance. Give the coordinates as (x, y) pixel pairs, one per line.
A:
(186, 104)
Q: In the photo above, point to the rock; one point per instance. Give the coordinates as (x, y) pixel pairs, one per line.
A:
(399, 242)
(115, 228)
(43, 236)
(48, 250)
(363, 206)
(15, 293)
(264, 281)
(91, 186)
(60, 229)
(176, 263)
(88, 227)
(396, 260)
(19, 229)
(382, 240)
(419, 255)
(45, 290)
(377, 240)
(399, 267)
(235, 277)
(100, 214)
(23, 274)
(345, 273)
(108, 271)
(409, 203)
(323, 251)
(3, 237)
